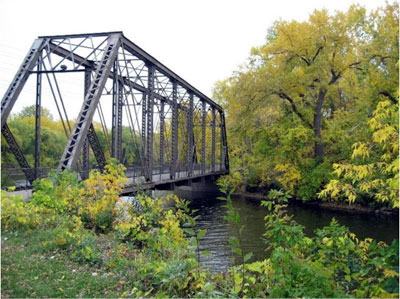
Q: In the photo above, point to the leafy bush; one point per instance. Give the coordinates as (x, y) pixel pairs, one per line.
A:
(17, 214)
(58, 192)
(314, 177)
(331, 264)
(99, 196)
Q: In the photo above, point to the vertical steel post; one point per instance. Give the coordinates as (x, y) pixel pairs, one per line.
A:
(189, 139)
(174, 129)
(221, 142)
(116, 131)
(114, 109)
(225, 142)
(85, 148)
(38, 116)
(144, 113)
(119, 121)
(162, 128)
(203, 136)
(149, 132)
(213, 140)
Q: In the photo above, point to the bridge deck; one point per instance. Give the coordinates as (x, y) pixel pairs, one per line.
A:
(165, 178)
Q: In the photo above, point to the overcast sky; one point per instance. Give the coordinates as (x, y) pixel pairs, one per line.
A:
(202, 41)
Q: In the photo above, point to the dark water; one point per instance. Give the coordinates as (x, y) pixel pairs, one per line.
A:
(252, 215)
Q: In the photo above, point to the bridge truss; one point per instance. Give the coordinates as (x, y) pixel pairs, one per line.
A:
(162, 128)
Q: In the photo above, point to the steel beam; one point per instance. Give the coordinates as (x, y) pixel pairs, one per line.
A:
(92, 98)
(143, 131)
(149, 125)
(88, 64)
(16, 150)
(116, 131)
(96, 147)
(85, 148)
(213, 139)
(119, 121)
(19, 80)
(38, 116)
(203, 136)
(81, 35)
(139, 52)
(174, 130)
(162, 139)
(189, 139)
(224, 142)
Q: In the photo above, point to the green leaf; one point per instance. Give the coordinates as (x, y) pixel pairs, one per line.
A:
(241, 229)
(201, 233)
(237, 218)
(248, 256)
(237, 250)
(233, 241)
(189, 231)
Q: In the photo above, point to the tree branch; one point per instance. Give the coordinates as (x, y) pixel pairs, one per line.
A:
(304, 59)
(388, 95)
(282, 95)
(334, 78)
(316, 54)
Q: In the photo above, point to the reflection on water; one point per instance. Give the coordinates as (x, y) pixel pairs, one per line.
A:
(252, 215)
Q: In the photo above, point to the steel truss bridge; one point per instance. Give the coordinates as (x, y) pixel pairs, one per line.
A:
(164, 130)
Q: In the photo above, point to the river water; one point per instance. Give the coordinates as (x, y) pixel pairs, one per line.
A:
(252, 215)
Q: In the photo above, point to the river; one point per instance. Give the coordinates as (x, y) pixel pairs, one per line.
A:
(252, 215)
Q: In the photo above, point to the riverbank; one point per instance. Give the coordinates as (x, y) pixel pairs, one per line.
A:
(332, 206)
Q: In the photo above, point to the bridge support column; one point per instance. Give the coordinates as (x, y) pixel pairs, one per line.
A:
(189, 138)
(149, 128)
(38, 116)
(213, 140)
(116, 131)
(85, 147)
(203, 136)
(162, 128)
(225, 160)
(174, 130)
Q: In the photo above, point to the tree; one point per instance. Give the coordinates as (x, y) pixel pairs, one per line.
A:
(31, 111)
(306, 95)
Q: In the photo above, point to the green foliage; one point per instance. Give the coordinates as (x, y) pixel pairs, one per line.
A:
(331, 264)
(305, 97)
(17, 214)
(30, 111)
(99, 197)
(226, 186)
(92, 225)
(374, 170)
(314, 177)
(152, 246)
(57, 192)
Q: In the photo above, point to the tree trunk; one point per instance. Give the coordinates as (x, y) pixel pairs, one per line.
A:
(318, 144)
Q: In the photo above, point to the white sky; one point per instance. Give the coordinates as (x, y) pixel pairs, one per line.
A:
(202, 41)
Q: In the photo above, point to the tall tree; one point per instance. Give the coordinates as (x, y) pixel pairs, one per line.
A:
(308, 92)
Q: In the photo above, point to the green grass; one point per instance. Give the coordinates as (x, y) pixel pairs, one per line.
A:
(29, 270)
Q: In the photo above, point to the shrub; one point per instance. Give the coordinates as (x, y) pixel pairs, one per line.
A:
(17, 214)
